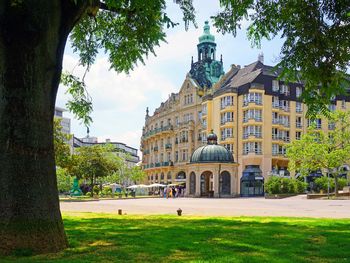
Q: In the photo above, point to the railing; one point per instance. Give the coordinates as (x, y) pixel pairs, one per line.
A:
(245, 119)
(255, 134)
(158, 130)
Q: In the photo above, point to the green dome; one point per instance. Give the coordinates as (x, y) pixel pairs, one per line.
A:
(206, 37)
(212, 153)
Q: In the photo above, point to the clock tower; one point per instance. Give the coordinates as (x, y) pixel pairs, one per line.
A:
(207, 70)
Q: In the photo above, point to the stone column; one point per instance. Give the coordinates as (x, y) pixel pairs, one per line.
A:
(198, 184)
(216, 182)
(233, 175)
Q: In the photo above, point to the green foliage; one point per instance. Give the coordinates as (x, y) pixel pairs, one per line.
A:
(316, 41)
(88, 194)
(127, 31)
(64, 180)
(283, 185)
(322, 183)
(96, 189)
(62, 150)
(107, 191)
(318, 150)
(80, 104)
(93, 162)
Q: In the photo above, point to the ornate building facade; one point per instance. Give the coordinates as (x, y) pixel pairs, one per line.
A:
(254, 114)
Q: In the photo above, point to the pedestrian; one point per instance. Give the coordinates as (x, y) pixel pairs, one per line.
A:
(173, 192)
(165, 192)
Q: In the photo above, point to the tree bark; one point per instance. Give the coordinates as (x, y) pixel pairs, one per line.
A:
(33, 35)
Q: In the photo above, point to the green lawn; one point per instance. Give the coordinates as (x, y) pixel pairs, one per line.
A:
(113, 238)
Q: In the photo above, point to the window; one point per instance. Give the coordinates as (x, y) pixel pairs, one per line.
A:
(229, 147)
(331, 125)
(204, 123)
(298, 135)
(176, 156)
(299, 122)
(226, 117)
(275, 134)
(252, 97)
(226, 101)
(252, 114)
(278, 149)
(298, 92)
(275, 102)
(275, 118)
(284, 120)
(284, 105)
(299, 107)
(226, 133)
(275, 86)
(252, 130)
(252, 147)
(285, 90)
(316, 122)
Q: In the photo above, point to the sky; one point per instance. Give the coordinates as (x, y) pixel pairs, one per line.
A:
(120, 100)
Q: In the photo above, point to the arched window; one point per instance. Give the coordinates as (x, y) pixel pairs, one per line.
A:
(225, 183)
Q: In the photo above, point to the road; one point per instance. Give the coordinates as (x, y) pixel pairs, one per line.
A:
(297, 206)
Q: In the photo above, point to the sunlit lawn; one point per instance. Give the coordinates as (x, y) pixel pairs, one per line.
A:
(113, 238)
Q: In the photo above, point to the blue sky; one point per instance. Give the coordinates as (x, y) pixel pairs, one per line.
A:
(120, 100)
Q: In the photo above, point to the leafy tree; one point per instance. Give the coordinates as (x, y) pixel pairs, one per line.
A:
(319, 150)
(316, 37)
(94, 162)
(33, 35)
(62, 149)
(64, 180)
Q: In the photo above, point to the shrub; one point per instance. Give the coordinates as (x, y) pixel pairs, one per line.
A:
(96, 189)
(284, 185)
(107, 191)
(322, 183)
(88, 194)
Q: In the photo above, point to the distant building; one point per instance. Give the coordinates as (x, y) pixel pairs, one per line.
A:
(120, 148)
(65, 122)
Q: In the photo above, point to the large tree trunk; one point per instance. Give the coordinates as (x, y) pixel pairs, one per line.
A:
(33, 34)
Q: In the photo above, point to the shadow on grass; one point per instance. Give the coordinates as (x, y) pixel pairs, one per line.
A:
(109, 238)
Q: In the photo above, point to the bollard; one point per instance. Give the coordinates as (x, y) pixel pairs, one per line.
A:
(179, 212)
(120, 212)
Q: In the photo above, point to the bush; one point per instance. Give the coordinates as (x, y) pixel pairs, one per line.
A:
(96, 189)
(284, 185)
(322, 184)
(107, 191)
(64, 180)
(88, 194)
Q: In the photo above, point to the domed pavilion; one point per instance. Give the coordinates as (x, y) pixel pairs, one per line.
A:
(212, 171)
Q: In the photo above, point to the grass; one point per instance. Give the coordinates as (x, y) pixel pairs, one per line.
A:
(112, 238)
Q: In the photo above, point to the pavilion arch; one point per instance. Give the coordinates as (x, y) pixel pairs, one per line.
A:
(225, 183)
(181, 175)
(206, 183)
(192, 183)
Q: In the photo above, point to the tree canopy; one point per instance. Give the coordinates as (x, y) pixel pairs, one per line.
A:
(315, 51)
(325, 151)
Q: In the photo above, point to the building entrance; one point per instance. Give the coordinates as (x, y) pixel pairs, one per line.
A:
(252, 181)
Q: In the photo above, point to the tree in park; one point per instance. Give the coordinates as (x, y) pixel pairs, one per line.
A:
(61, 146)
(93, 163)
(33, 35)
(319, 150)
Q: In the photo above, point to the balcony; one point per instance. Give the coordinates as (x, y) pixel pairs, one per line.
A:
(155, 149)
(275, 121)
(255, 134)
(168, 146)
(157, 164)
(299, 125)
(246, 119)
(158, 130)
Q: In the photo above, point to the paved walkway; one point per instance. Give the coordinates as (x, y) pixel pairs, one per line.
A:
(297, 206)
